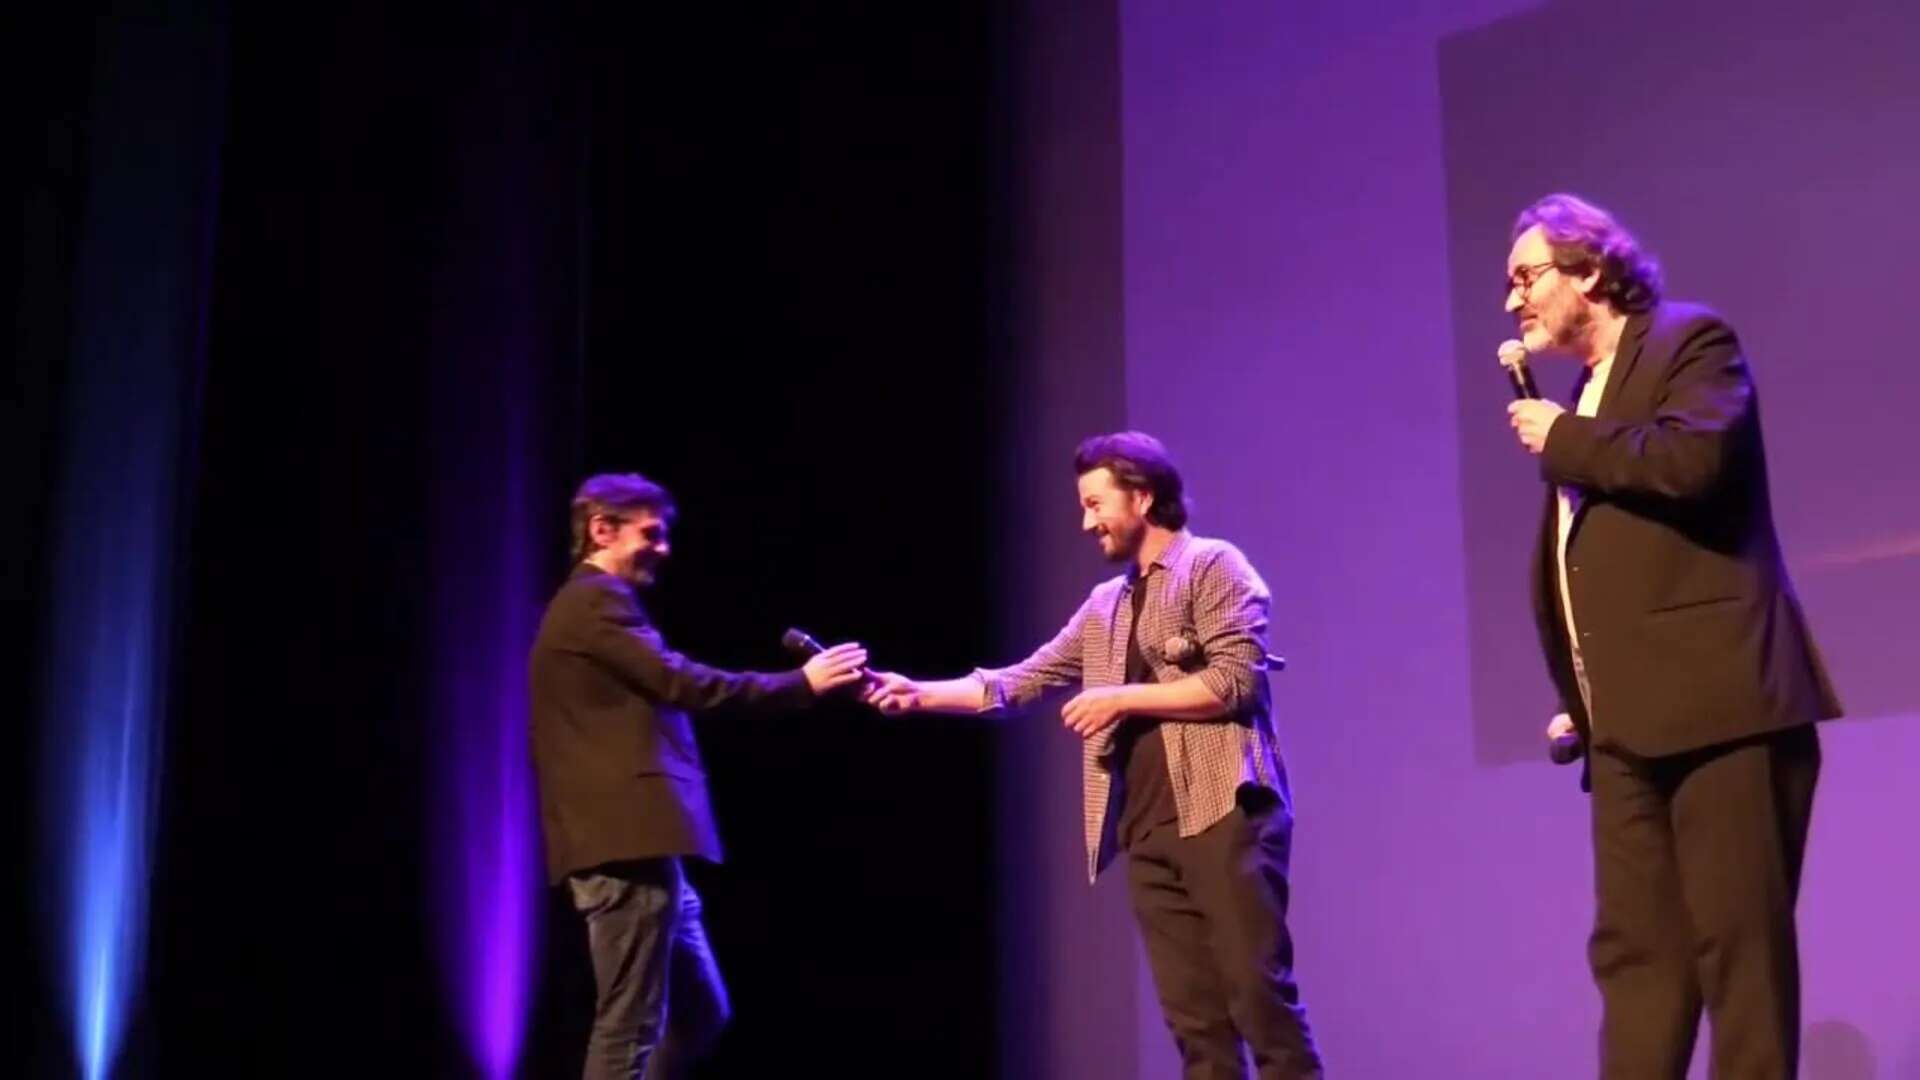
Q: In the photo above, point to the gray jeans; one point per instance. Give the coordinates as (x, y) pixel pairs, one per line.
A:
(659, 1003)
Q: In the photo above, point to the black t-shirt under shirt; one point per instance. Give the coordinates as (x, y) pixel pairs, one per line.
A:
(1140, 751)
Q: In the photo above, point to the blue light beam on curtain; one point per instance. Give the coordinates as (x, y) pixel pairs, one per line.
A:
(129, 412)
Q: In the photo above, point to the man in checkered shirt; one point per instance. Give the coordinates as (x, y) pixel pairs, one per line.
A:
(1178, 761)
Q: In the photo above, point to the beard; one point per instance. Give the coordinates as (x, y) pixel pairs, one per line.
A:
(1571, 328)
(1123, 541)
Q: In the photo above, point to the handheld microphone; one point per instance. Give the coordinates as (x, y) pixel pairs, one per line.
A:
(1565, 749)
(801, 643)
(1513, 357)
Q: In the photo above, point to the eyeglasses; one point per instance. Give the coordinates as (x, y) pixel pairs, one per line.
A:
(1523, 277)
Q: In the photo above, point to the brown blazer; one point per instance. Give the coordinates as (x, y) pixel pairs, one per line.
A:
(614, 755)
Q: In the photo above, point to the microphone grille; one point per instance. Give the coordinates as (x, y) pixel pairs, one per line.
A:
(1512, 353)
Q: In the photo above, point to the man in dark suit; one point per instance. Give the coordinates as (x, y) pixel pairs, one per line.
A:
(1680, 653)
(623, 795)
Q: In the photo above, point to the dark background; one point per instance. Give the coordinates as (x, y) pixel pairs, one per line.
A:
(751, 256)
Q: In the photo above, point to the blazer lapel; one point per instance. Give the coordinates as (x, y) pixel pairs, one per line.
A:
(1624, 358)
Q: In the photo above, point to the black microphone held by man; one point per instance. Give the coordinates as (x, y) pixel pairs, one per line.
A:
(1564, 748)
(1513, 358)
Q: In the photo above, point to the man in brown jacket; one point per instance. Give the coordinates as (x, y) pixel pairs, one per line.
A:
(623, 795)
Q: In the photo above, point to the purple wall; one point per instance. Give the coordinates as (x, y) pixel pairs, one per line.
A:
(1295, 287)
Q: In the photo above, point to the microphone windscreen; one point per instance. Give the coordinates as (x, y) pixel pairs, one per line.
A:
(799, 641)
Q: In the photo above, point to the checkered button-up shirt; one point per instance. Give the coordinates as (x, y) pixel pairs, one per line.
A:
(1205, 615)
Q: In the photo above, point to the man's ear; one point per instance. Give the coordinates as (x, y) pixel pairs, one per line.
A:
(1589, 285)
(601, 529)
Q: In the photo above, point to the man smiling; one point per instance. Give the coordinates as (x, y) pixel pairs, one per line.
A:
(1180, 769)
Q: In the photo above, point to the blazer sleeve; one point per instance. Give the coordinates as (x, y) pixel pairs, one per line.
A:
(1689, 444)
(614, 633)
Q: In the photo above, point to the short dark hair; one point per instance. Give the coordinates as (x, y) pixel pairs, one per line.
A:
(1138, 462)
(614, 494)
(1583, 237)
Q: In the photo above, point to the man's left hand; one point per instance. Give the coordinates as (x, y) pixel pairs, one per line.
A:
(1093, 711)
(1532, 418)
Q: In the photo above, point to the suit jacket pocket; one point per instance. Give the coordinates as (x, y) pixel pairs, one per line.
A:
(671, 749)
(1691, 607)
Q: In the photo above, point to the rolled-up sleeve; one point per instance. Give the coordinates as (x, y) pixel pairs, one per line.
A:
(1230, 611)
(1057, 663)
